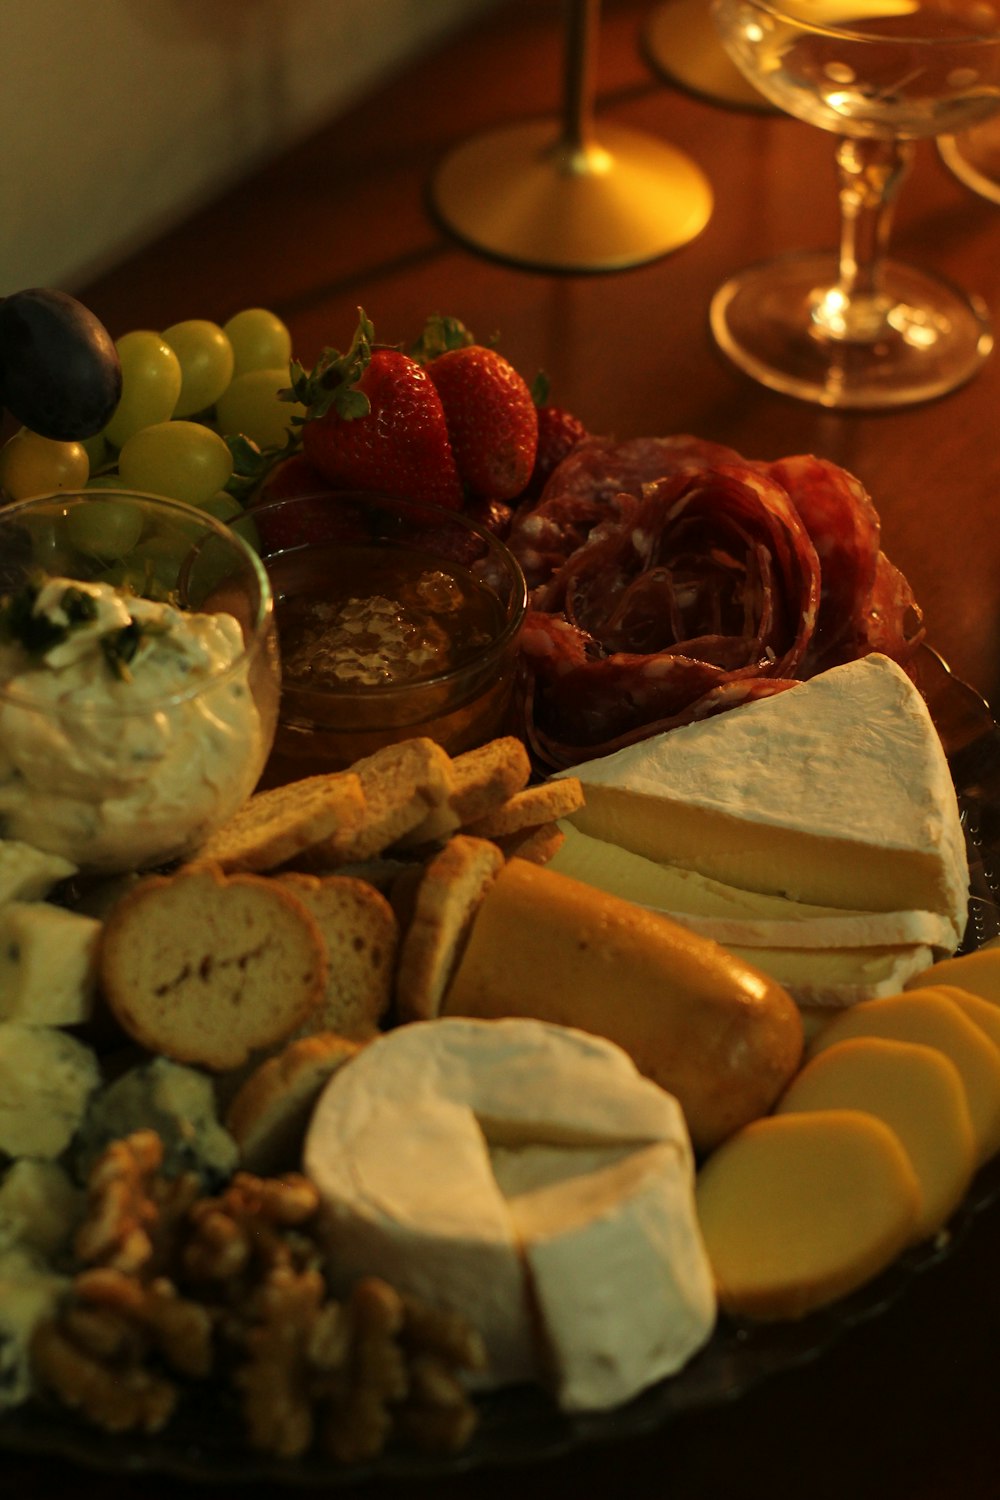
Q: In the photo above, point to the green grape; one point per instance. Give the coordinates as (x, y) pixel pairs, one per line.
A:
(107, 529)
(251, 406)
(183, 460)
(151, 384)
(206, 360)
(222, 505)
(260, 340)
(34, 465)
(97, 451)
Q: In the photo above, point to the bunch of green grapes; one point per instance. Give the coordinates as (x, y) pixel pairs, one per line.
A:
(198, 414)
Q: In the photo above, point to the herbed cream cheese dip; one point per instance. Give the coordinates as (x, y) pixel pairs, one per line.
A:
(128, 729)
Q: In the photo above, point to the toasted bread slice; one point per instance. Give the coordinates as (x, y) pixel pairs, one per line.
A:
(361, 936)
(402, 784)
(206, 967)
(529, 808)
(274, 826)
(538, 845)
(453, 884)
(269, 1115)
(479, 780)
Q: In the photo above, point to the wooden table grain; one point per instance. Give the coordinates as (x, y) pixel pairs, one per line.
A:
(904, 1407)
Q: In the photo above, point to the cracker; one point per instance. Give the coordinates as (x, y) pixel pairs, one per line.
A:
(479, 780)
(274, 826)
(269, 1115)
(538, 845)
(361, 936)
(529, 808)
(444, 905)
(401, 784)
(206, 967)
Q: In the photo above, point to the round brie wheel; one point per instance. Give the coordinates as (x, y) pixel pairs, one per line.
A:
(526, 1176)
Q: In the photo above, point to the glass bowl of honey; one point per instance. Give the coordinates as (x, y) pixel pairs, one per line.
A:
(395, 619)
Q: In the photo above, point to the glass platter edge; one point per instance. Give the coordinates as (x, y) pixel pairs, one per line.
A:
(521, 1425)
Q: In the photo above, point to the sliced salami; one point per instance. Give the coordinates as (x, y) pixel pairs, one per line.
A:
(672, 579)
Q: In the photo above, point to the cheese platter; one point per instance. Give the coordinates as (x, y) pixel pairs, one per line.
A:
(767, 739)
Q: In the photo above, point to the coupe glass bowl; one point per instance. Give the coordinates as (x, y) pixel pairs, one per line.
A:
(395, 618)
(122, 749)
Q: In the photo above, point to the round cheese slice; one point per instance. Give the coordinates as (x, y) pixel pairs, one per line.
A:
(918, 1093)
(929, 1017)
(525, 1175)
(977, 972)
(800, 1209)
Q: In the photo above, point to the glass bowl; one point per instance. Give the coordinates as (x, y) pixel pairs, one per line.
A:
(395, 619)
(139, 676)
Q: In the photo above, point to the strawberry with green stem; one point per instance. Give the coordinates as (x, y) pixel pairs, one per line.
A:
(374, 421)
(488, 409)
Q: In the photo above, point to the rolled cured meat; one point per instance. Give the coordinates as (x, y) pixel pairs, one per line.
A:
(672, 579)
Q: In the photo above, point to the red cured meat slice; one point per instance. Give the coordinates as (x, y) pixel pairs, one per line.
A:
(594, 484)
(709, 581)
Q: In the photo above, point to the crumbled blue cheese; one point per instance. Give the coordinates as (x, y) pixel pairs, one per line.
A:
(179, 1104)
(48, 964)
(28, 874)
(47, 1078)
(29, 1293)
(40, 1207)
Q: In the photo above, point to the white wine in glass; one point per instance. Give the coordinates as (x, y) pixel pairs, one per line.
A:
(852, 327)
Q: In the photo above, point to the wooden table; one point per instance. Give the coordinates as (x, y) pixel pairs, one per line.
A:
(904, 1406)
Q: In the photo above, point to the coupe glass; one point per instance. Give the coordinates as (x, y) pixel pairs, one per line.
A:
(853, 328)
(974, 157)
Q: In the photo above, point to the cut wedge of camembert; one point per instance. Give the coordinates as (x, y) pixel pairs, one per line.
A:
(834, 794)
(525, 1175)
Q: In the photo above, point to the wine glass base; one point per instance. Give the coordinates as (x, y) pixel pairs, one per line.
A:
(682, 45)
(974, 157)
(935, 339)
(522, 196)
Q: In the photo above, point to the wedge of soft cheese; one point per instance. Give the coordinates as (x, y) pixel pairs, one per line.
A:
(838, 976)
(835, 792)
(737, 917)
(526, 1176)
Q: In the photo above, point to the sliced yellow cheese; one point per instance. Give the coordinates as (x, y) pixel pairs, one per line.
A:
(732, 915)
(918, 1093)
(979, 1011)
(979, 973)
(935, 1021)
(837, 976)
(797, 1210)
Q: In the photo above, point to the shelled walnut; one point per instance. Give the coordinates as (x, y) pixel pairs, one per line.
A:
(174, 1286)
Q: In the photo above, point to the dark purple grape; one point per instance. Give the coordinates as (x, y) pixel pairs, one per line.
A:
(60, 371)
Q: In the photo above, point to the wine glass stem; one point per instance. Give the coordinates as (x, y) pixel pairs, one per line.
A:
(871, 172)
(575, 151)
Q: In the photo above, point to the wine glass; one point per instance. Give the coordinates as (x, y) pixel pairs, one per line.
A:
(974, 157)
(557, 195)
(853, 328)
(682, 46)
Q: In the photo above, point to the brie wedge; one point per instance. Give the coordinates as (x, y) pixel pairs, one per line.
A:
(835, 792)
(526, 1176)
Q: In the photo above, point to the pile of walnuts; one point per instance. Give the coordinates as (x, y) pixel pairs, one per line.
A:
(175, 1287)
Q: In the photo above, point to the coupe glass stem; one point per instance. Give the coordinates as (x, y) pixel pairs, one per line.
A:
(871, 172)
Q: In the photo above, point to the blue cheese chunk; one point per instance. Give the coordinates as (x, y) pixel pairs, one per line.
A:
(40, 1207)
(29, 1293)
(179, 1104)
(46, 1081)
(28, 874)
(48, 964)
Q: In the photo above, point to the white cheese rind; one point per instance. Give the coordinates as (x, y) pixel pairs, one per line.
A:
(488, 1167)
(836, 791)
(839, 976)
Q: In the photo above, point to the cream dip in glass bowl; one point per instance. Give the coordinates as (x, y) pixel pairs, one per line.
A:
(139, 676)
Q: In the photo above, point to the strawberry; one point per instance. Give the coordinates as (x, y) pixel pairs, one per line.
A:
(488, 409)
(558, 434)
(375, 422)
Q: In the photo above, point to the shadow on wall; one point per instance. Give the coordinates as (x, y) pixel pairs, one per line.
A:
(154, 106)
